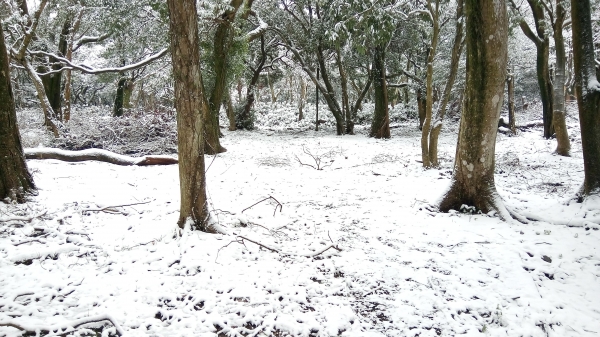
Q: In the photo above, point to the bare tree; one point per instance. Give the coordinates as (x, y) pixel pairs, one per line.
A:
(191, 106)
(15, 180)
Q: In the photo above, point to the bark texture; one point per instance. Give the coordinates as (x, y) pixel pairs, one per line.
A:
(588, 94)
(486, 40)
(191, 105)
(15, 180)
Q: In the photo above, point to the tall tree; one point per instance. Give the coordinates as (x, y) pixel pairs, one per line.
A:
(15, 180)
(588, 94)
(487, 48)
(191, 106)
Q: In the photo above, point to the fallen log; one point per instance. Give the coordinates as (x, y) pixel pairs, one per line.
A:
(97, 155)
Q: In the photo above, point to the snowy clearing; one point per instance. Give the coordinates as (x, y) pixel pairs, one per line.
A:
(79, 252)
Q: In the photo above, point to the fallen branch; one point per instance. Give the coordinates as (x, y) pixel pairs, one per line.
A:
(97, 155)
(22, 218)
(64, 329)
(265, 199)
(112, 209)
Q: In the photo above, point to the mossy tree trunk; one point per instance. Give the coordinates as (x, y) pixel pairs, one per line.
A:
(191, 106)
(473, 176)
(15, 180)
(380, 127)
(587, 91)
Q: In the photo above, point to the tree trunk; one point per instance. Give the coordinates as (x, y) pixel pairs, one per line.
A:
(119, 98)
(380, 127)
(68, 74)
(52, 82)
(301, 99)
(454, 62)
(50, 118)
(563, 144)
(510, 81)
(542, 43)
(191, 107)
(15, 180)
(426, 126)
(473, 177)
(345, 101)
(230, 112)
(329, 93)
(588, 94)
(245, 119)
(221, 44)
(421, 107)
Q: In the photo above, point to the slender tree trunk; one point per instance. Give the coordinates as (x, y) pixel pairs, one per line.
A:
(563, 146)
(301, 99)
(15, 180)
(345, 100)
(510, 81)
(246, 119)
(421, 107)
(426, 127)
(473, 177)
(380, 127)
(588, 94)
(191, 106)
(329, 94)
(50, 118)
(454, 62)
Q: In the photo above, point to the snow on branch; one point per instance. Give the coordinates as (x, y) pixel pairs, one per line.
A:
(97, 155)
(258, 31)
(90, 70)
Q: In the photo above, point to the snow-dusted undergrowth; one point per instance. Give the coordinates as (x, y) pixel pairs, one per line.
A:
(404, 270)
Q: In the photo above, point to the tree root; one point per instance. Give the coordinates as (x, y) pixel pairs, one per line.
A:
(97, 155)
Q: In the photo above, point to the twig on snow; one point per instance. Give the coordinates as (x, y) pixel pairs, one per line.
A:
(265, 199)
(111, 209)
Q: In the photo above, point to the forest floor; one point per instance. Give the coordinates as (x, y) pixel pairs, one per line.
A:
(80, 260)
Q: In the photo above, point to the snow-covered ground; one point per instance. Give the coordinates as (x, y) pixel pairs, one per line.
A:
(403, 269)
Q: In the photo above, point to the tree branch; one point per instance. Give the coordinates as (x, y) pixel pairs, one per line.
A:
(88, 70)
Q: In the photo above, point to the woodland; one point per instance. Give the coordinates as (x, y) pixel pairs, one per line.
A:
(299, 168)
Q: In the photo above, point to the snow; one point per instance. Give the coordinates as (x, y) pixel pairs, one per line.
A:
(403, 269)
